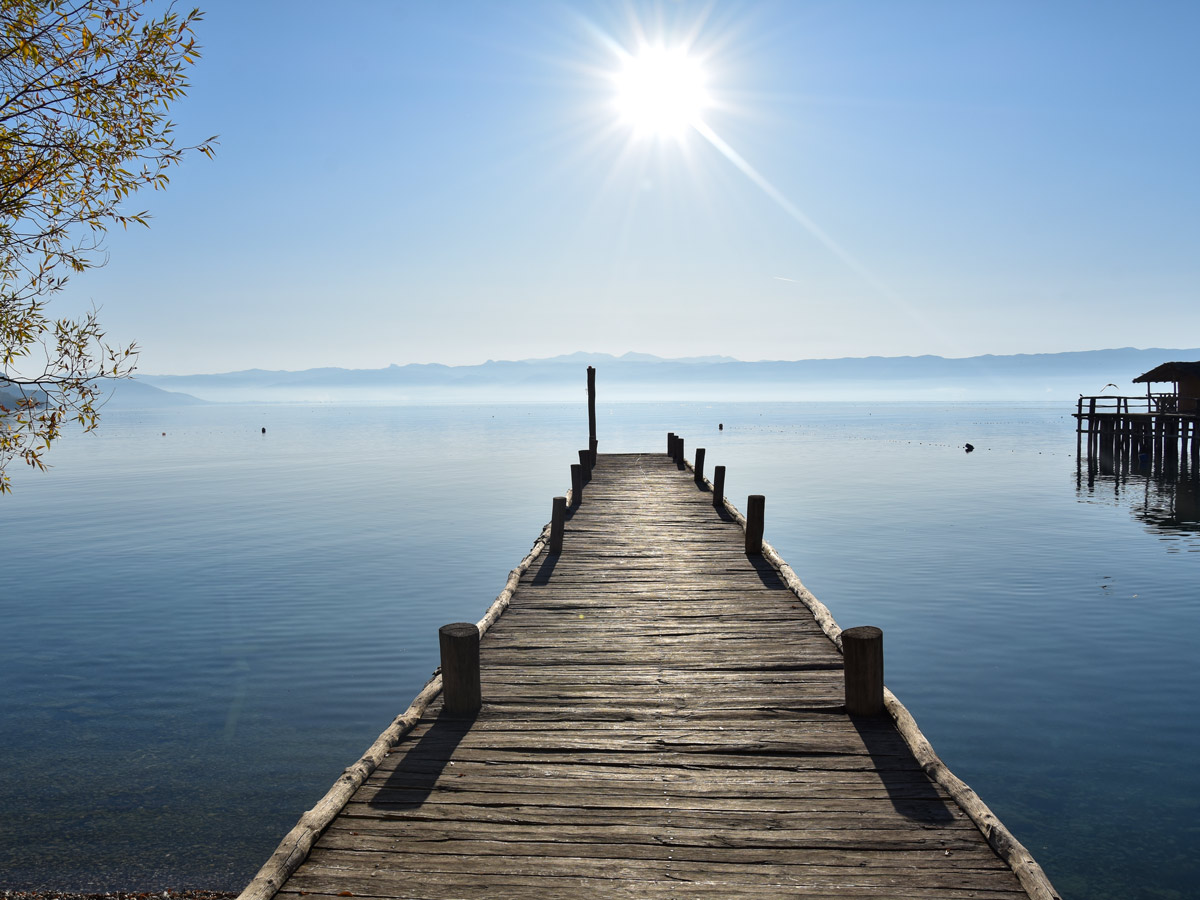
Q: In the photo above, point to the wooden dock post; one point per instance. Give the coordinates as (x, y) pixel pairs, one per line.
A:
(567, 664)
(755, 508)
(558, 523)
(671, 444)
(592, 443)
(699, 466)
(576, 484)
(719, 487)
(460, 668)
(680, 462)
(862, 652)
(585, 464)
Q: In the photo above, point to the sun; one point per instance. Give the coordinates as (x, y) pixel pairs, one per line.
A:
(661, 92)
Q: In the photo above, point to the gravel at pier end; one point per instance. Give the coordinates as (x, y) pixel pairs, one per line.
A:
(120, 895)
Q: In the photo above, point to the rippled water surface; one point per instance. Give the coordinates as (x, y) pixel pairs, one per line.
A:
(204, 624)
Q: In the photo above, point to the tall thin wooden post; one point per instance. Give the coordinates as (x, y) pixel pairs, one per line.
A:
(699, 465)
(576, 484)
(585, 463)
(591, 378)
(461, 694)
(558, 524)
(719, 487)
(1079, 430)
(679, 459)
(755, 508)
(671, 444)
(862, 651)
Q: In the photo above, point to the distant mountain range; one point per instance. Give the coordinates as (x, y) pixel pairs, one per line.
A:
(641, 376)
(121, 393)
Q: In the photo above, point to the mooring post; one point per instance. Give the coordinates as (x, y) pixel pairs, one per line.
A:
(680, 462)
(558, 523)
(755, 508)
(862, 652)
(576, 484)
(461, 694)
(719, 487)
(671, 444)
(591, 381)
(585, 463)
(699, 465)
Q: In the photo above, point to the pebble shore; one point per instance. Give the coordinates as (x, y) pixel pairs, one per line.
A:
(120, 895)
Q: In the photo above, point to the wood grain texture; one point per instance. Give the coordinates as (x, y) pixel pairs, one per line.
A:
(663, 716)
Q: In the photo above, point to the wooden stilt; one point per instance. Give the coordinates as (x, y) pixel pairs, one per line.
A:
(558, 524)
(591, 388)
(461, 693)
(862, 650)
(576, 484)
(755, 506)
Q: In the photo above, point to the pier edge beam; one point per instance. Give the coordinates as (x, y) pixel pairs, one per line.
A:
(755, 513)
(558, 523)
(719, 487)
(862, 648)
(461, 693)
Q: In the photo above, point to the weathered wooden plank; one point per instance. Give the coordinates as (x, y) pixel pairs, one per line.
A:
(662, 717)
(336, 862)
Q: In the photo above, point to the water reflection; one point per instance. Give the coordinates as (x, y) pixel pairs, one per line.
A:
(1168, 506)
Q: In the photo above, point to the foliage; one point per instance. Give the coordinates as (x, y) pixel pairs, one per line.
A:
(85, 86)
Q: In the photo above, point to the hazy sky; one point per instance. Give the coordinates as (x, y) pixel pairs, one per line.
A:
(452, 181)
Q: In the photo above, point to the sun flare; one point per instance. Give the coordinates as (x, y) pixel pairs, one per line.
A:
(660, 92)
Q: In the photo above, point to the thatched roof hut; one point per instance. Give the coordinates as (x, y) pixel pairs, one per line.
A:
(1186, 378)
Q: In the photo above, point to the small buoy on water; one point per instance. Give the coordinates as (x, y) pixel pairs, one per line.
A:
(264, 430)
(164, 434)
(970, 447)
(721, 426)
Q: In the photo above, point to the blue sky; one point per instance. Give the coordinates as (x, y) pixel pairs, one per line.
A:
(416, 181)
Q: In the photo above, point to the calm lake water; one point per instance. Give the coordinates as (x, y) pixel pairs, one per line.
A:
(203, 624)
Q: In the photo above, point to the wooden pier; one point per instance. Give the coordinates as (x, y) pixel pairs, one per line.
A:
(663, 715)
(1120, 435)
(1151, 435)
